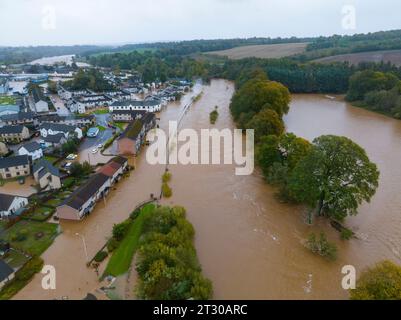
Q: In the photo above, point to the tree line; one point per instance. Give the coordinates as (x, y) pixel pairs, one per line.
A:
(331, 175)
(377, 91)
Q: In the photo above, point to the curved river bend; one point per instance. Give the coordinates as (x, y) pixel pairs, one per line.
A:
(249, 244)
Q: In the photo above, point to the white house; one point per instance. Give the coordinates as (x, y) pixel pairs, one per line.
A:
(46, 175)
(41, 104)
(31, 149)
(52, 129)
(10, 205)
(151, 105)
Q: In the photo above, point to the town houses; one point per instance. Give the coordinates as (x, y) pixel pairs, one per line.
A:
(131, 140)
(82, 201)
(14, 134)
(14, 167)
(151, 105)
(51, 129)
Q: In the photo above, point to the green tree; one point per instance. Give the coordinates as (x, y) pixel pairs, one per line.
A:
(363, 82)
(265, 123)
(335, 177)
(256, 95)
(382, 282)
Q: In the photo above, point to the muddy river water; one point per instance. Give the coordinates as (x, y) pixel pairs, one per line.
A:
(249, 244)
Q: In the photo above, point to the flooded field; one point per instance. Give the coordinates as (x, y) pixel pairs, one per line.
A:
(249, 244)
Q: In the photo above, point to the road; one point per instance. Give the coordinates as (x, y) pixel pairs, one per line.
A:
(59, 105)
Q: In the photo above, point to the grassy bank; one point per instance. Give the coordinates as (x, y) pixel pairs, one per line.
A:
(121, 259)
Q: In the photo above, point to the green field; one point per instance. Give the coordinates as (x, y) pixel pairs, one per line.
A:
(121, 259)
(38, 236)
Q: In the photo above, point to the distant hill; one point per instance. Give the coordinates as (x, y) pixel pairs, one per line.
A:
(392, 56)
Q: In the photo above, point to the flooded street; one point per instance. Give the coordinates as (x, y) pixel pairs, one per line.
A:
(249, 244)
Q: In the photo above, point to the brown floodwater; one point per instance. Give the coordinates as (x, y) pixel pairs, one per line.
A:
(249, 244)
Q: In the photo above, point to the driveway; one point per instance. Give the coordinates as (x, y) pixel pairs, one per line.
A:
(59, 105)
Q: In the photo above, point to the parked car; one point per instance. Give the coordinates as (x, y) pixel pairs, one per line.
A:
(100, 146)
(68, 165)
(95, 150)
(72, 156)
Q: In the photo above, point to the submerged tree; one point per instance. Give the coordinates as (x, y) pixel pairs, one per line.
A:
(383, 282)
(335, 177)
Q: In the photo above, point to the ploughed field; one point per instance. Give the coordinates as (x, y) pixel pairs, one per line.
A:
(262, 51)
(393, 56)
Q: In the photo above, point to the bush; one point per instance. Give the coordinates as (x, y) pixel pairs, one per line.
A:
(166, 177)
(100, 256)
(112, 245)
(383, 282)
(20, 236)
(346, 234)
(135, 214)
(120, 230)
(166, 190)
(213, 116)
(69, 182)
(322, 246)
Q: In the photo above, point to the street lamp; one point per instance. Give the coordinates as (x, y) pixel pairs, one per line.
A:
(84, 243)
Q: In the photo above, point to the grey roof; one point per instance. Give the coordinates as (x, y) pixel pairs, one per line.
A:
(136, 103)
(18, 116)
(57, 127)
(85, 192)
(11, 129)
(5, 270)
(14, 161)
(55, 138)
(31, 146)
(43, 166)
(5, 201)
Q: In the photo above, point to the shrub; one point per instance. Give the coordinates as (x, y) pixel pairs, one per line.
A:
(166, 177)
(166, 190)
(119, 230)
(346, 234)
(112, 245)
(100, 256)
(383, 282)
(322, 246)
(135, 214)
(213, 116)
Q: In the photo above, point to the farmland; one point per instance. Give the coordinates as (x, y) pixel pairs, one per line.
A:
(393, 56)
(262, 51)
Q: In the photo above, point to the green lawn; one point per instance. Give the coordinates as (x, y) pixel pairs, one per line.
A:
(52, 202)
(15, 259)
(42, 213)
(121, 259)
(101, 111)
(101, 128)
(120, 125)
(6, 100)
(39, 236)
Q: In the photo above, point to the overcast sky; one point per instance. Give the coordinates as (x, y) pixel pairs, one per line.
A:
(67, 22)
